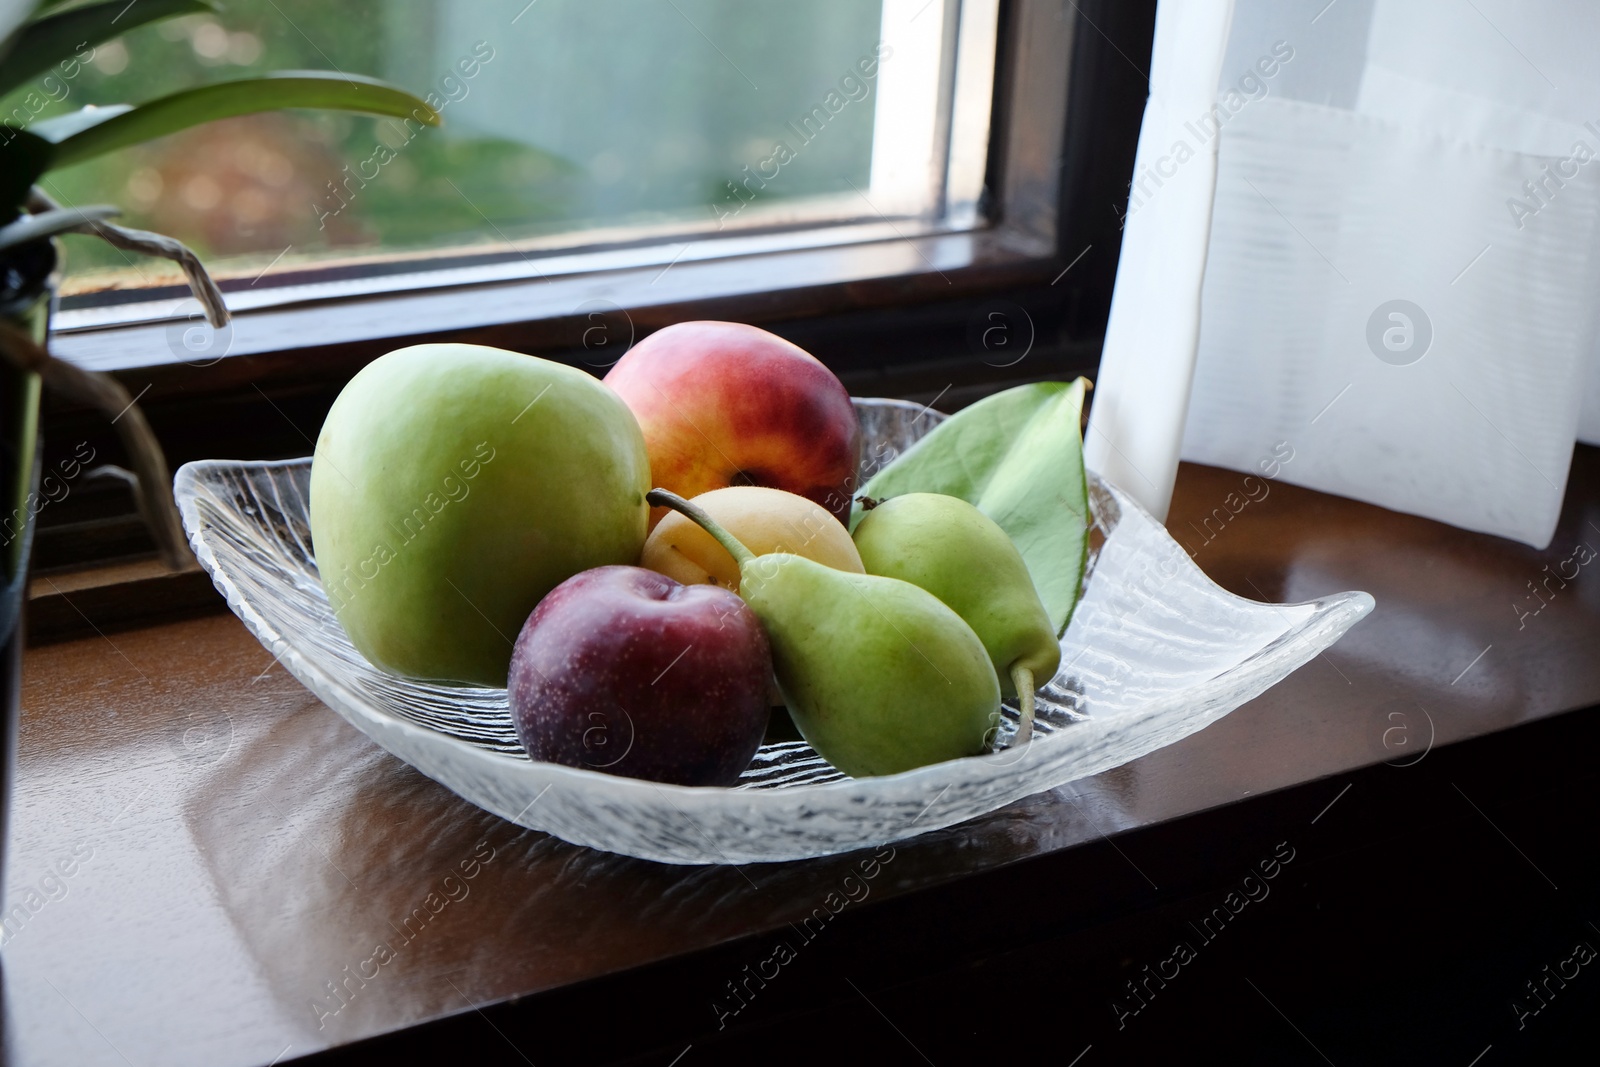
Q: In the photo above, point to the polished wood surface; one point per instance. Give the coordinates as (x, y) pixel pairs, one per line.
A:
(208, 852)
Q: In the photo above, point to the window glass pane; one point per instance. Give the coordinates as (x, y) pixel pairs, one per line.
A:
(599, 118)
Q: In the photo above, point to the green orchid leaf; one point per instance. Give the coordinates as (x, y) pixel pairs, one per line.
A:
(88, 133)
(1018, 456)
(42, 44)
(23, 158)
(13, 13)
(49, 223)
(58, 129)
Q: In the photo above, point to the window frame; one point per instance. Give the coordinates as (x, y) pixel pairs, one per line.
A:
(470, 289)
(892, 314)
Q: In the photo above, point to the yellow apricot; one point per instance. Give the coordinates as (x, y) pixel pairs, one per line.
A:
(763, 520)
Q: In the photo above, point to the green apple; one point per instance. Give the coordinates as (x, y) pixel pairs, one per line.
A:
(453, 486)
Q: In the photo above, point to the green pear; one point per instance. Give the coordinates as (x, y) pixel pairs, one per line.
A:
(453, 486)
(948, 547)
(878, 675)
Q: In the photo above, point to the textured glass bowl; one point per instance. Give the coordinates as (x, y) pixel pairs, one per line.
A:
(1155, 652)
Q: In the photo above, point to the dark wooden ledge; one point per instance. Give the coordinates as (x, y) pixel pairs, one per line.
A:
(233, 847)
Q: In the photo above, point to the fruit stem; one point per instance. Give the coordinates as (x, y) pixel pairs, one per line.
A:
(661, 498)
(1022, 678)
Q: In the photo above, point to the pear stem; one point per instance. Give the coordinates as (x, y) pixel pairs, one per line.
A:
(1022, 678)
(661, 498)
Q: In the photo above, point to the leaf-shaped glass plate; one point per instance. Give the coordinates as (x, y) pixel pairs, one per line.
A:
(1155, 652)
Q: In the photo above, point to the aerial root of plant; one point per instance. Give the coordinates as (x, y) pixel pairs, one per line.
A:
(153, 492)
(153, 488)
(151, 244)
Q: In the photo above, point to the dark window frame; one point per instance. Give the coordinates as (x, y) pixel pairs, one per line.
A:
(899, 317)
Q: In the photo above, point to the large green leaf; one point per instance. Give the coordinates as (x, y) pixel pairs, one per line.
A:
(23, 157)
(44, 43)
(1018, 456)
(92, 132)
(12, 15)
(49, 223)
(61, 127)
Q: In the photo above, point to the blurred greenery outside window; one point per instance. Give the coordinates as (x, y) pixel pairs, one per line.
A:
(571, 122)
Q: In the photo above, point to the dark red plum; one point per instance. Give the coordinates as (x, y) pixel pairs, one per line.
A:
(623, 670)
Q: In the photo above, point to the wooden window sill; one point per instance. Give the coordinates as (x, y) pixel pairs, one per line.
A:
(82, 601)
(244, 845)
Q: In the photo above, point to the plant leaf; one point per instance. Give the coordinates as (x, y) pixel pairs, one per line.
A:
(41, 44)
(13, 13)
(23, 158)
(85, 134)
(1018, 456)
(58, 129)
(49, 223)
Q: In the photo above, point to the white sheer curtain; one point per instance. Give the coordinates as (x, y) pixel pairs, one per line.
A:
(1363, 255)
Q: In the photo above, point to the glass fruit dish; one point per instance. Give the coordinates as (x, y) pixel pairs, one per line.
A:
(1155, 651)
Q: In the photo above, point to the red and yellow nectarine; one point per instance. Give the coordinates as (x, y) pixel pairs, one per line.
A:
(724, 403)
